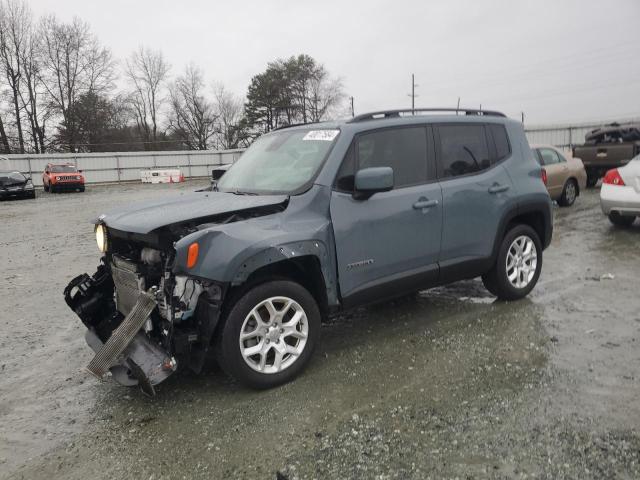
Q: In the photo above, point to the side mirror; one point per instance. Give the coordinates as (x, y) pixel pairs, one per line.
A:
(47, 172)
(372, 180)
(79, 171)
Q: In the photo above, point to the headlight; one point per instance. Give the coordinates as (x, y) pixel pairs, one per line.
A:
(101, 237)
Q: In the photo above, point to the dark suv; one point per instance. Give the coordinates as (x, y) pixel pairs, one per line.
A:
(309, 221)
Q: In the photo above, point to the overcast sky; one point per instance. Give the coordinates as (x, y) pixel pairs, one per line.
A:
(555, 60)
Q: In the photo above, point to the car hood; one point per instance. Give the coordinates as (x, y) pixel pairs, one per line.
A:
(146, 217)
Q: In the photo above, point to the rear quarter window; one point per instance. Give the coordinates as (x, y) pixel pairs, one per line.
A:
(500, 140)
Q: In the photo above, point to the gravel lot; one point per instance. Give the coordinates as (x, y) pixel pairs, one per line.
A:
(443, 384)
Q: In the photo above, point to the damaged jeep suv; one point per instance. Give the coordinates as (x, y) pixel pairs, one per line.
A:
(309, 221)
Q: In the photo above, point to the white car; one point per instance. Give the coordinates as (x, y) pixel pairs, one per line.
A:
(620, 193)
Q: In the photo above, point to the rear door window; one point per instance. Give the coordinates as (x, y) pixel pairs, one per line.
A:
(463, 150)
(548, 156)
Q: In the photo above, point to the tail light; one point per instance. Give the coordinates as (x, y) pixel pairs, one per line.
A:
(612, 177)
(544, 176)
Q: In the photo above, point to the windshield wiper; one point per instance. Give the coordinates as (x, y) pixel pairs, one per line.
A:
(238, 192)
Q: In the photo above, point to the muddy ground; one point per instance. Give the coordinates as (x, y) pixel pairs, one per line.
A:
(444, 384)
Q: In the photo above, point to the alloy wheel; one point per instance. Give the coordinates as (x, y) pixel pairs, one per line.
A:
(274, 335)
(522, 260)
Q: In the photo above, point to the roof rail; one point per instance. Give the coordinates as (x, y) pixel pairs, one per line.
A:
(397, 113)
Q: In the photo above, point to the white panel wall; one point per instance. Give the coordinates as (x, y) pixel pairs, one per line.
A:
(125, 166)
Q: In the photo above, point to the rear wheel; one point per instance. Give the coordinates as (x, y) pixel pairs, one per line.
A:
(621, 220)
(269, 334)
(569, 193)
(518, 264)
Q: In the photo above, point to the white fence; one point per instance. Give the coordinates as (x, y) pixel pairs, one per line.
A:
(566, 136)
(125, 166)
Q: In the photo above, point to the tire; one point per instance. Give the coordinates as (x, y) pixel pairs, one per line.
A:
(45, 187)
(247, 368)
(497, 280)
(52, 189)
(621, 220)
(592, 179)
(81, 189)
(569, 193)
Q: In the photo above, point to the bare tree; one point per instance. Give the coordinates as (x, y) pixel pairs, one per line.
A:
(192, 117)
(147, 72)
(229, 109)
(15, 29)
(33, 93)
(6, 148)
(73, 63)
(325, 96)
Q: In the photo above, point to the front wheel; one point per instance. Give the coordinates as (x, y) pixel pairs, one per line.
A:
(518, 264)
(269, 334)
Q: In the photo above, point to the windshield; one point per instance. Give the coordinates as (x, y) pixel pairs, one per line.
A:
(8, 178)
(281, 162)
(63, 169)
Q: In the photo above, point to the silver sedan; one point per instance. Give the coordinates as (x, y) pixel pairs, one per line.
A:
(620, 193)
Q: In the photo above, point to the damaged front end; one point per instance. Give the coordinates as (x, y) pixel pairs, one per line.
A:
(143, 320)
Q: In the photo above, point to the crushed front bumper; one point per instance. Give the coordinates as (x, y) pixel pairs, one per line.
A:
(141, 363)
(121, 347)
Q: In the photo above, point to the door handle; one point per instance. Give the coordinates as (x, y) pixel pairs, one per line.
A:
(497, 188)
(423, 204)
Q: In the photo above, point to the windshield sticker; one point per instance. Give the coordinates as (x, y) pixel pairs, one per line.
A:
(323, 135)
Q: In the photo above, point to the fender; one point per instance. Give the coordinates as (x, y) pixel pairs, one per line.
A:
(278, 253)
(230, 253)
(539, 204)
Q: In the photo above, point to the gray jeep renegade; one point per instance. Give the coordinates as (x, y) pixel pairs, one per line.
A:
(312, 220)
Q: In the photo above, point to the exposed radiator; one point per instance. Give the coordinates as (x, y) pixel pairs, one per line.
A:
(128, 283)
(122, 336)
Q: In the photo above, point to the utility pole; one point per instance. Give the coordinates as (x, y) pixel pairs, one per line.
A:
(413, 94)
(353, 114)
(458, 107)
